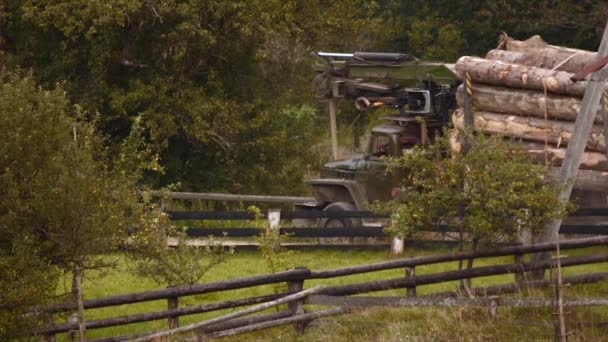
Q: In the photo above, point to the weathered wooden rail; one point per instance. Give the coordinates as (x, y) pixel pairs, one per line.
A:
(207, 196)
(347, 232)
(332, 294)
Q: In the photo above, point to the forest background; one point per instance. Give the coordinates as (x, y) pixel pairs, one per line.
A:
(223, 89)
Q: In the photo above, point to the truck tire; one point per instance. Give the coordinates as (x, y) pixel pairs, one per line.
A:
(346, 222)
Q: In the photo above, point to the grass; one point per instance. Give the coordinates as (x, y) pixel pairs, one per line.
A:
(376, 324)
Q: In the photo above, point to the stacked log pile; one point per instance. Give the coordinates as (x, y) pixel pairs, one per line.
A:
(523, 90)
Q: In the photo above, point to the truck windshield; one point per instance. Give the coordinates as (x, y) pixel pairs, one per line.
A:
(380, 145)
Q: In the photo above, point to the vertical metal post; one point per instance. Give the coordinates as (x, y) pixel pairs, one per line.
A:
(274, 224)
(424, 131)
(173, 304)
(333, 127)
(576, 146)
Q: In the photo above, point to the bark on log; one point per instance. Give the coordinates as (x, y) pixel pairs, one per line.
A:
(519, 76)
(547, 58)
(549, 55)
(589, 180)
(529, 128)
(586, 180)
(523, 102)
(591, 160)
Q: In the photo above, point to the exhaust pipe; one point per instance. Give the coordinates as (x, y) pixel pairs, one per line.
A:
(363, 103)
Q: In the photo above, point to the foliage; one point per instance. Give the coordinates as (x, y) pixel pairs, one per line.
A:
(25, 281)
(444, 29)
(59, 199)
(276, 257)
(181, 263)
(210, 80)
(492, 192)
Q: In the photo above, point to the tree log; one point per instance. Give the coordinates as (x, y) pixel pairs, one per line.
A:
(545, 58)
(519, 76)
(534, 43)
(548, 56)
(591, 160)
(529, 128)
(523, 102)
(586, 180)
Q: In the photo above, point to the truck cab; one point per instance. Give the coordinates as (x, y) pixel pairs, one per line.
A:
(422, 95)
(352, 184)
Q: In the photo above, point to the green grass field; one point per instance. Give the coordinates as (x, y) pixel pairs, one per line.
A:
(380, 324)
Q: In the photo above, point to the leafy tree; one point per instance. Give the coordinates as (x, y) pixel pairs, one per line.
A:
(63, 203)
(209, 79)
(177, 264)
(444, 30)
(491, 193)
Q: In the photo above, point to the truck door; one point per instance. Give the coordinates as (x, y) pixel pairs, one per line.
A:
(371, 170)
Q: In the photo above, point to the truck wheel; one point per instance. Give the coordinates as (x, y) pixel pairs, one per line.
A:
(347, 222)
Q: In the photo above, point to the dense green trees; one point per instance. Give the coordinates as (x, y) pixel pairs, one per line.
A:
(220, 85)
(444, 29)
(210, 78)
(219, 91)
(492, 193)
(63, 201)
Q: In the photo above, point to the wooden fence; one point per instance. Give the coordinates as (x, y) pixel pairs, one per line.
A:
(337, 295)
(298, 236)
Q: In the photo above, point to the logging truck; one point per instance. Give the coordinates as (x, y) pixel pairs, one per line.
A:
(422, 98)
(526, 91)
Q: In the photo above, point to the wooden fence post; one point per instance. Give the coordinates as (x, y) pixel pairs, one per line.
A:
(520, 275)
(296, 307)
(493, 306)
(73, 318)
(173, 304)
(274, 224)
(397, 246)
(49, 338)
(409, 273)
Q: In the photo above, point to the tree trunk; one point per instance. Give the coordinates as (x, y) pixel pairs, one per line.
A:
(523, 102)
(545, 58)
(519, 76)
(469, 283)
(529, 128)
(81, 320)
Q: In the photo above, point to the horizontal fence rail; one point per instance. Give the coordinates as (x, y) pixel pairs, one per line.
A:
(292, 232)
(295, 279)
(312, 214)
(435, 259)
(208, 196)
(361, 231)
(247, 215)
(184, 290)
(484, 271)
